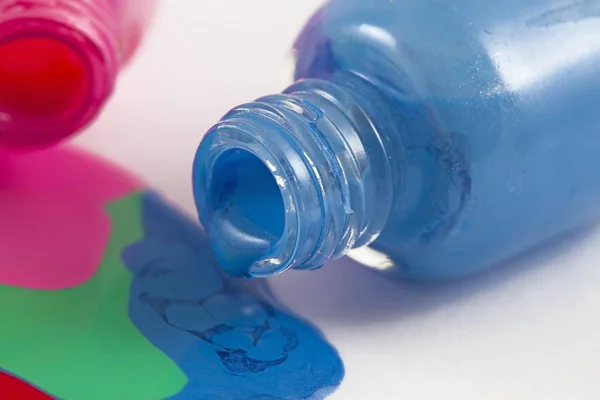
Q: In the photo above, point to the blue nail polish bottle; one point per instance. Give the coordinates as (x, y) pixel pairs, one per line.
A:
(446, 136)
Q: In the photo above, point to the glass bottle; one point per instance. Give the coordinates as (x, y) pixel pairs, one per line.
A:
(447, 137)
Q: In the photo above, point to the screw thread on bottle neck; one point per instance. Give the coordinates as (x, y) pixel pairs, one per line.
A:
(326, 157)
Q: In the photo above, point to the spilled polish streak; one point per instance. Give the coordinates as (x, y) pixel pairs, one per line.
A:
(12, 387)
(230, 340)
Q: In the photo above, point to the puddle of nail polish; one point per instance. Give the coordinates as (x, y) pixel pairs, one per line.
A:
(167, 325)
(78, 342)
(230, 340)
(54, 226)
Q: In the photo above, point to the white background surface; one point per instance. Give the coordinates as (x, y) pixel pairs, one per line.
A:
(517, 332)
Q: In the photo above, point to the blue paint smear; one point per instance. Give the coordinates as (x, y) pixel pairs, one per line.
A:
(225, 334)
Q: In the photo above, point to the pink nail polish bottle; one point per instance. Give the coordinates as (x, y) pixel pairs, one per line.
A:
(59, 61)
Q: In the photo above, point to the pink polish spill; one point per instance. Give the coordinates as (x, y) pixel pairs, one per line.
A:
(54, 223)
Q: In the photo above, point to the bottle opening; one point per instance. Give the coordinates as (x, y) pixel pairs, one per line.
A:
(293, 180)
(41, 80)
(248, 211)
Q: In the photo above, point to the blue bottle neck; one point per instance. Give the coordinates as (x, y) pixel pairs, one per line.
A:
(295, 179)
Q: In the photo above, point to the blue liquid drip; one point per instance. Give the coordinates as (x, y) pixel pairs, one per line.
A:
(248, 207)
(228, 338)
(488, 112)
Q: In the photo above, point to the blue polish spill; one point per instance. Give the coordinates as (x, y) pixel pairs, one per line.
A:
(224, 333)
